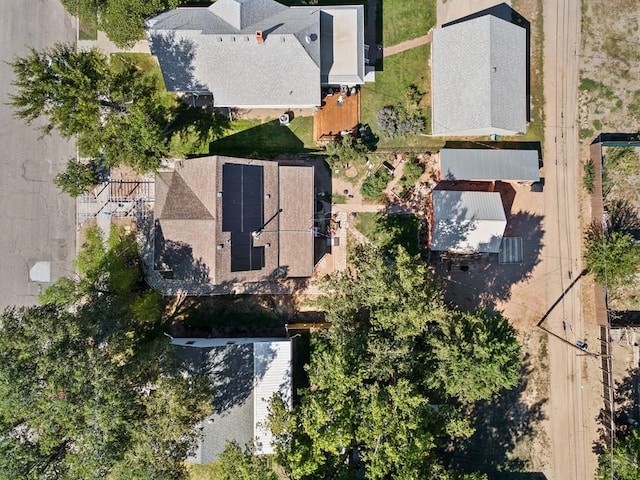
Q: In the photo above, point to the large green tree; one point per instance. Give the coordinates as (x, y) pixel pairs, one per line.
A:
(374, 401)
(234, 463)
(623, 461)
(611, 257)
(121, 20)
(77, 178)
(88, 385)
(114, 112)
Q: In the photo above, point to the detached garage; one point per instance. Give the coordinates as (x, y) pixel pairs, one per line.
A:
(489, 165)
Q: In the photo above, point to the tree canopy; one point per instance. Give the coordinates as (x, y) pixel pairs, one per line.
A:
(623, 461)
(88, 385)
(376, 398)
(121, 20)
(77, 178)
(613, 257)
(115, 109)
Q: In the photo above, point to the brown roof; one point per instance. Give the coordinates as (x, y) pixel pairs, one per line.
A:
(296, 220)
(189, 235)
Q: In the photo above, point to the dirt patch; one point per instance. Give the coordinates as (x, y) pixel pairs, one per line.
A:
(610, 65)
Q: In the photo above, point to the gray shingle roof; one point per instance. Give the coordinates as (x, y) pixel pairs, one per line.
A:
(489, 164)
(202, 52)
(467, 221)
(214, 50)
(479, 78)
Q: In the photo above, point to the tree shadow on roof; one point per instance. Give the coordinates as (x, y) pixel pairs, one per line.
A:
(177, 257)
(176, 58)
(267, 140)
(501, 424)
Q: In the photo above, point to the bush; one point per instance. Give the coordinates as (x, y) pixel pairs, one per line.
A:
(373, 187)
(588, 176)
(346, 150)
(414, 95)
(77, 178)
(397, 122)
(411, 173)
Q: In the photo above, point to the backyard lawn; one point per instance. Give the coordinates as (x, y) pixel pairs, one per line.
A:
(265, 139)
(390, 88)
(405, 19)
(387, 231)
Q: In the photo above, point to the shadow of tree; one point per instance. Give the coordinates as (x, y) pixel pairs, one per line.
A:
(623, 216)
(203, 124)
(501, 424)
(626, 412)
(176, 58)
(493, 282)
(266, 140)
(178, 258)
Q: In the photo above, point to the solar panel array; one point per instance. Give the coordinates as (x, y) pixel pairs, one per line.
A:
(243, 213)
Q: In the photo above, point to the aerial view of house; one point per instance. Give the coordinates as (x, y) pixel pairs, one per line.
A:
(259, 53)
(245, 374)
(320, 239)
(478, 77)
(221, 220)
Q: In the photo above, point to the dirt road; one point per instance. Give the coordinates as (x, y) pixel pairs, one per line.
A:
(571, 404)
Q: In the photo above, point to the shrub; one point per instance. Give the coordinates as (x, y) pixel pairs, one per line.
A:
(414, 95)
(411, 173)
(397, 122)
(373, 187)
(346, 150)
(588, 176)
(77, 178)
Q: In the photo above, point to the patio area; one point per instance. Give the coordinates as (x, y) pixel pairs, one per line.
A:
(340, 112)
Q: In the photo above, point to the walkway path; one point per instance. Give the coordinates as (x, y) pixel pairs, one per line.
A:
(408, 45)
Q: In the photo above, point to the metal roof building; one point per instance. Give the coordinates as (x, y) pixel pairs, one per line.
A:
(259, 53)
(489, 164)
(478, 78)
(245, 373)
(467, 222)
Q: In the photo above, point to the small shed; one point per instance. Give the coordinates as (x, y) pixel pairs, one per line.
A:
(489, 165)
(467, 222)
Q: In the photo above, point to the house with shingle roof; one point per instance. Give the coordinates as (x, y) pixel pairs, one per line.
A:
(222, 221)
(245, 374)
(259, 53)
(479, 77)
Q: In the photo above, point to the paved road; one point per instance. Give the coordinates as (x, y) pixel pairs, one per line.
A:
(570, 409)
(37, 222)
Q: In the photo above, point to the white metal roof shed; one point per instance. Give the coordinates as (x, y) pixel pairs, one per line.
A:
(467, 222)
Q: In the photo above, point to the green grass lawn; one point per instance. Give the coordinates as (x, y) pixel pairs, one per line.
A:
(266, 139)
(406, 19)
(88, 26)
(400, 71)
(387, 231)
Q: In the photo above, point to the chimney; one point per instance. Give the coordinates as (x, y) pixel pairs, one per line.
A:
(259, 37)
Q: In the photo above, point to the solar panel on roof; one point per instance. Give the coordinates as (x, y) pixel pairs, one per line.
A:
(243, 213)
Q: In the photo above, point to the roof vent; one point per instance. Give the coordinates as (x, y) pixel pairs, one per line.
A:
(259, 37)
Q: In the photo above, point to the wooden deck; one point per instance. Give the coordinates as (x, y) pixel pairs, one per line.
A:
(332, 118)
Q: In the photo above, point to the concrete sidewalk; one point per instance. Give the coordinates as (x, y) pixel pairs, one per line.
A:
(408, 45)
